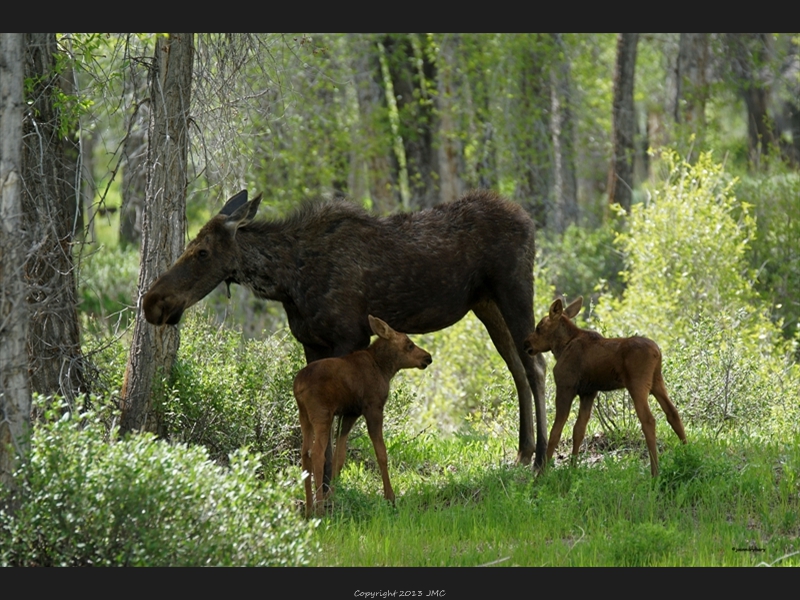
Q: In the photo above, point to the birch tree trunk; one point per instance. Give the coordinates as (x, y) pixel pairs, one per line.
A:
(15, 394)
(153, 350)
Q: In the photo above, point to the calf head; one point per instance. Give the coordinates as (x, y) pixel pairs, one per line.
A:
(209, 259)
(553, 330)
(406, 354)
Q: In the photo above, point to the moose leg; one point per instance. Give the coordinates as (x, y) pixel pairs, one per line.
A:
(579, 431)
(491, 317)
(322, 431)
(305, 459)
(515, 302)
(659, 390)
(341, 444)
(639, 394)
(563, 404)
(316, 353)
(374, 419)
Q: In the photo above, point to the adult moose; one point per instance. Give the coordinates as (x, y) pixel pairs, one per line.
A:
(331, 264)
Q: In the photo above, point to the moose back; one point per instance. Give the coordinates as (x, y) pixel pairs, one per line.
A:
(331, 264)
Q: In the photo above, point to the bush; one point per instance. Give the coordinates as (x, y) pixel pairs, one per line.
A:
(690, 288)
(106, 285)
(86, 499)
(775, 251)
(227, 392)
(581, 261)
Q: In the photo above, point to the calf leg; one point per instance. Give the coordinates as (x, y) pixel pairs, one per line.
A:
(579, 431)
(305, 459)
(563, 404)
(341, 443)
(659, 390)
(639, 394)
(322, 431)
(374, 419)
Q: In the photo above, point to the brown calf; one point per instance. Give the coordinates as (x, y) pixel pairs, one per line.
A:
(587, 363)
(350, 386)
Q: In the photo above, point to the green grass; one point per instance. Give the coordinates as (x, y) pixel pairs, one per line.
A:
(461, 503)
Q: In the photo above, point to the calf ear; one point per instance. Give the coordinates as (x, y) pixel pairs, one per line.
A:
(380, 328)
(556, 308)
(574, 307)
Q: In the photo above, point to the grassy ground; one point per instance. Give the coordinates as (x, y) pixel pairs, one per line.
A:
(461, 503)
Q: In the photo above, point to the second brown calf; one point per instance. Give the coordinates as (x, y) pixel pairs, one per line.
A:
(587, 363)
(350, 386)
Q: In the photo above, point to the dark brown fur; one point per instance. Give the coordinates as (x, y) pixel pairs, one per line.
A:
(350, 386)
(587, 363)
(331, 264)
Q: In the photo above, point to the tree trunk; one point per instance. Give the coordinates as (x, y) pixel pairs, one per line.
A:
(533, 140)
(449, 151)
(50, 210)
(749, 54)
(562, 129)
(691, 88)
(134, 179)
(371, 164)
(153, 350)
(620, 178)
(410, 73)
(15, 394)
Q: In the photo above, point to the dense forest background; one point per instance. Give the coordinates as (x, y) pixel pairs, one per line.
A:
(661, 171)
(406, 121)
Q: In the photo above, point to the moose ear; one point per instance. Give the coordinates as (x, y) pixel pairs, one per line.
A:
(574, 307)
(244, 214)
(380, 328)
(234, 203)
(556, 308)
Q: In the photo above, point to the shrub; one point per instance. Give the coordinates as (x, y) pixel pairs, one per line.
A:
(775, 252)
(581, 261)
(106, 285)
(227, 392)
(87, 499)
(690, 288)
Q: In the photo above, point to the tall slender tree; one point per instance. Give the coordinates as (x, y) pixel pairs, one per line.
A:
(51, 211)
(562, 129)
(620, 177)
(153, 350)
(15, 394)
(749, 53)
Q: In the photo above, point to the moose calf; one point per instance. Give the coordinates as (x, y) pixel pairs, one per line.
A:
(587, 363)
(350, 386)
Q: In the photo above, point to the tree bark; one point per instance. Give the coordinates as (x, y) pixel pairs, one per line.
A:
(529, 130)
(620, 178)
(691, 88)
(371, 165)
(134, 179)
(153, 350)
(15, 394)
(749, 55)
(410, 72)
(50, 210)
(562, 129)
(449, 151)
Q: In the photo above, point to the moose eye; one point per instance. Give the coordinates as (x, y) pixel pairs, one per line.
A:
(203, 253)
